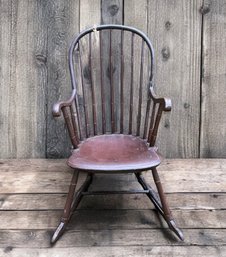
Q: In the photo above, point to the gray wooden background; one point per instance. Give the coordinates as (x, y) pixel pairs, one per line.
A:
(189, 37)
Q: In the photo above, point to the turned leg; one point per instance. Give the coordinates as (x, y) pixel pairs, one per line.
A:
(159, 200)
(67, 209)
(72, 203)
(166, 210)
(165, 207)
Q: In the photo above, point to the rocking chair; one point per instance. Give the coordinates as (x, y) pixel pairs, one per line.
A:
(113, 114)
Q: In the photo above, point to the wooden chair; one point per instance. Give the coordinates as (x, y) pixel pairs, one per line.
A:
(113, 114)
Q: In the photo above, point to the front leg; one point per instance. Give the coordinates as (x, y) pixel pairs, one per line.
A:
(67, 209)
(166, 210)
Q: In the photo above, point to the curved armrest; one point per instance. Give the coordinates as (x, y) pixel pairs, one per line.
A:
(166, 102)
(59, 105)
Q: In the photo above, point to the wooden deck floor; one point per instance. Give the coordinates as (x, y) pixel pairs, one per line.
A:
(32, 195)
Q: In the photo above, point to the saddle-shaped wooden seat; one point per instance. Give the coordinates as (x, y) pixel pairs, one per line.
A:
(115, 152)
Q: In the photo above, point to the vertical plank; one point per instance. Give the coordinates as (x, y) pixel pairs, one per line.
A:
(89, 13)
(178, 43)
(112, 13)
(62, 23)
(90, 16)
(136, 15)
(23, 57)
(213, 105)
(174, 28)
(7, 48)
(40, 51)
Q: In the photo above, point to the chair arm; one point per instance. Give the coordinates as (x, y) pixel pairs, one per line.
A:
(165, 102)
(59, 105)
(164, 105)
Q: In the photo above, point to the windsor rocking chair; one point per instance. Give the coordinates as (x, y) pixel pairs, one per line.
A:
(113, 114)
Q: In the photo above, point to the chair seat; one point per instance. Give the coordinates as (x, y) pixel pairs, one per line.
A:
(115, 152)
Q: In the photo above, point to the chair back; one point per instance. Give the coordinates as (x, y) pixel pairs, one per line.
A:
(111, 68)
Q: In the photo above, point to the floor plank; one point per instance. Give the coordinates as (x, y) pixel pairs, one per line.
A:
(111, 219)
(141, 251)
(19, 176)
(187, 201)
(114, 237)
(32, 195)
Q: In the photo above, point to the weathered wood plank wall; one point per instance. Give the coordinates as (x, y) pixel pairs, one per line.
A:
(213, 104)
(189, 40)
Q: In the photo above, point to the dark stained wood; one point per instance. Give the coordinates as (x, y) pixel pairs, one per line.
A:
(102, 88)
(85, 125)
(122, 84)
(140, 90)
(89, 71)
(131, 85)
(97, 87)
(94, 112)
(115, 152)
(71, 126)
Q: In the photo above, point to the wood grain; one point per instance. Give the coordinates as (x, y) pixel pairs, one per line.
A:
(213, 125)
(116, 237)
(112, 219)
(119, 225)
(7, 79)
(111, 13)
(54, 176)
(136, 14)
(23, 80)
(142, 251)
(34, 39)
(90, 14)
(52, 201)
(60, 15)
(175, 30)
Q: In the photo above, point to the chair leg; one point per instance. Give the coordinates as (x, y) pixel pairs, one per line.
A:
(67, 209)
(159, 201)
(72, 203)
(167, 213)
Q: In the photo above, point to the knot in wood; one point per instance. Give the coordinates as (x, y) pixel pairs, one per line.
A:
(204, 9)
(41, 58)
(113, 9)
(8, 249)
(87, 73)
(168, 25)
(167, 123)
(186, 105)
(165, 53)
(110, 71)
